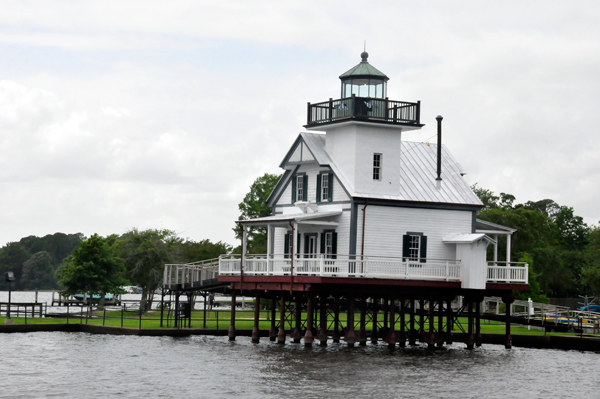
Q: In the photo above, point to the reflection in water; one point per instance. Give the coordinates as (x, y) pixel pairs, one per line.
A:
(96, 366)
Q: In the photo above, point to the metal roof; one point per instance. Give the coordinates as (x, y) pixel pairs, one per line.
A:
(418, 163)
(417, 175)
(466, 239)
(493, 228)
(363, 69)
(297, 217)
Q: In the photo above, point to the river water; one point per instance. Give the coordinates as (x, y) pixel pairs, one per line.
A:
(73, 365)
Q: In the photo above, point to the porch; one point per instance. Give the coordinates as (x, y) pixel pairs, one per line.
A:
(368, 267)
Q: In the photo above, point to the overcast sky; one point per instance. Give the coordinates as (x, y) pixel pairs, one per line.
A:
(160, 114)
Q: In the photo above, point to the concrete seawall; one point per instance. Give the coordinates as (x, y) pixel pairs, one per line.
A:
(525, 341)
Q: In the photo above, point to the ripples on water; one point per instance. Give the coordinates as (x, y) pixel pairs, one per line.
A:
(47, 365)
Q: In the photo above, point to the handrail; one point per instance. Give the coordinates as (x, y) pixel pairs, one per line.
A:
(364, 108)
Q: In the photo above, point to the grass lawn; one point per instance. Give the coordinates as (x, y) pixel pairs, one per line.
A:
(219, 319)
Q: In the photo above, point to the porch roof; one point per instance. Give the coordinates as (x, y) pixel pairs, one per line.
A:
(483, 226)
(300, 218)
(467, 238)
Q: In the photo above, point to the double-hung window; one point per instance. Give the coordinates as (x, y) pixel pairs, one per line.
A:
(376, 166)
(414, 248)
(324, 187)
(299, 187)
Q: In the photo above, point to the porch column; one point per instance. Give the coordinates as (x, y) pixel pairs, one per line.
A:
(412, 333)
(269, 241)
(495, 249)
(322, 336)
(350, 336)
(508, 339)
(273, 331)
(508, 236)
(375, 310)
(281, 334)
(402, 342)
(255, 331)
(336, 320)
(391, 335)
(231, 333)
(308, 336)
(296, 334)
(449, 322)
(362, 334)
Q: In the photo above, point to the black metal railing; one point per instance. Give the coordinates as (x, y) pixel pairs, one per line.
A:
(365, 109)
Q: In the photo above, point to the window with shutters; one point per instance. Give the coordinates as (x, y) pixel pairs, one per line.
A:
(299, 187)
(376, 166)
(414, 248)
(324, 186)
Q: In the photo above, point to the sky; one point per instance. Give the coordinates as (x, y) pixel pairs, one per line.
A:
(152, 114)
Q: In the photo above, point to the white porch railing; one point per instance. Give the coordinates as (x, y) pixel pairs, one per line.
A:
(342, 266)
(508, 272)
(190, 273)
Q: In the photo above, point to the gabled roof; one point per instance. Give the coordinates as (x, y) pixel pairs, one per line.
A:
(417, 176)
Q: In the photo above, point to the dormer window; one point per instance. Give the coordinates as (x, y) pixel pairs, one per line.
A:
(376, 166)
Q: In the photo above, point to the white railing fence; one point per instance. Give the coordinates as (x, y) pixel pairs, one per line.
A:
(190, 273)
(342, 266)
(508, 272)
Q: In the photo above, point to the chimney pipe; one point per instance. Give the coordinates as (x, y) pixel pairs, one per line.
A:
(439, 147)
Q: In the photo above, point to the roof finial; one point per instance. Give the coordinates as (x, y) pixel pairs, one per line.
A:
(364, 54)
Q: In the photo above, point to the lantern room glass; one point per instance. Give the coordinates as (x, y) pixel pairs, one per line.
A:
(373, 88)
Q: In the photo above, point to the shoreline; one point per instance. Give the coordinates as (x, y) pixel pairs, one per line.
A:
(524, 341)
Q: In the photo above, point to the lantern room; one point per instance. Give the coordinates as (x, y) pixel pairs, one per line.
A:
(364, 80)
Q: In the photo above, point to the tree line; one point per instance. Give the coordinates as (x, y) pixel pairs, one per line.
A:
(563, 252)
(94, 265)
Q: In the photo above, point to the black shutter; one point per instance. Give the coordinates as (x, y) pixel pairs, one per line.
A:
(304, 187)
(334, 245)
(330, 187)
(323, 242)
(298, 244)
(294, 178)
(423, 254)
(306, 249)
(405, 246)
(286, 248)
(319, 188)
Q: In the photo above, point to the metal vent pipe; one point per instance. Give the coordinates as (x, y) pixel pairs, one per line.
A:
(439, 147)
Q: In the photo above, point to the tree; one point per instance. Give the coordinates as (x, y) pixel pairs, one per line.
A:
(254, 206)
(145, 254)
(92, 268)
(12, 257)
(191, 251)
(38, 272)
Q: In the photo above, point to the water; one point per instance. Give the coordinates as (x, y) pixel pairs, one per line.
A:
(48, 365)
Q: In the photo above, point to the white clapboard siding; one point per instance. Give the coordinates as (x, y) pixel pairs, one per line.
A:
(385, 226)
